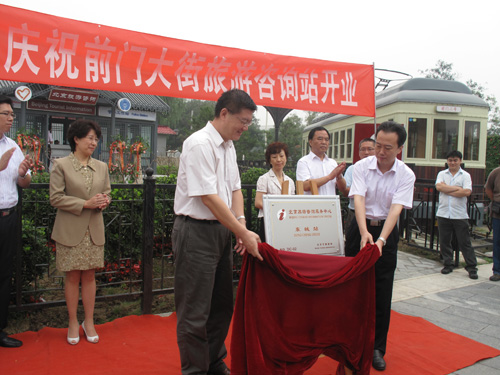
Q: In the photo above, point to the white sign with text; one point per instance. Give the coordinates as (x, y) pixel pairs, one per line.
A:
(304, 223)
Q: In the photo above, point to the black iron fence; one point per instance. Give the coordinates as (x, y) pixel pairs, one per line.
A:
(418, 226)
(138, 250)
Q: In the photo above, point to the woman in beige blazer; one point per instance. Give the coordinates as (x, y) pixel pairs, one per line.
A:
(79, 189)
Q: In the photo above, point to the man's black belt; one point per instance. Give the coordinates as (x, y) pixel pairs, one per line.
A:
(375, 223)
(7, 211)
(189, 218)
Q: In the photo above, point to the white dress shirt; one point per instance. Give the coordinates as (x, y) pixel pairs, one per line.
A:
(207, 166)
(453, 207)
(8, 177)
(381, 190)
(268, 183)
(310, 167)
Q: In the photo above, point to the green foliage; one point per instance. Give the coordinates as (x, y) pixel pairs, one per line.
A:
(185, 117)
(251, 176)
(492, 153)
(124, 224)
(251, 143)
(167, 179)
(291, 130)
(40, 178)
(291, 173)
(37, 251)
(442, 70)
(166, 170)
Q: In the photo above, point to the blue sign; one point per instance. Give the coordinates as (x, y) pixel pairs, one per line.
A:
(124, 104)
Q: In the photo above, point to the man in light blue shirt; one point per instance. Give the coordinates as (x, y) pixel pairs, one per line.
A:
(454, 186)
(366, 148)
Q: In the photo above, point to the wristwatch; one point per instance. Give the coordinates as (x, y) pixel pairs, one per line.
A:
(383, 240)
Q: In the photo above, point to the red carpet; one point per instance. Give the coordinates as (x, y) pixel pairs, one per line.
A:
(147, 345)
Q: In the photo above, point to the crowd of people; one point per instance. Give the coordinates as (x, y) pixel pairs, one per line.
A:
(209, 211)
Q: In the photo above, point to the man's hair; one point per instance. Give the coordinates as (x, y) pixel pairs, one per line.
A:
(5, 100)
(234, 101)
(393, 127)
(366, 140)
(313, 131)
(79, 129)
(275, 148)
(454, 154)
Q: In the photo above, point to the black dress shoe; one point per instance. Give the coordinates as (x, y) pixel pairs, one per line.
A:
(446, 270)
(221, 370)
(378, 360)
(9, 342)
(473, 275)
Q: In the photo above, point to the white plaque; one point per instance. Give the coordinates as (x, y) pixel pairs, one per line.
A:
(304, 223)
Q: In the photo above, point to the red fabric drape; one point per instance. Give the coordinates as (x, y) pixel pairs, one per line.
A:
(293, 307)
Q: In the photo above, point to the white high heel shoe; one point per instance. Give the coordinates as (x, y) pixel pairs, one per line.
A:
(92, 339)
(73, 340)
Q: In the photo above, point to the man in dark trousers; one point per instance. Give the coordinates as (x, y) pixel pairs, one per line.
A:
(14, 171)
(209, 206)
(381, 187)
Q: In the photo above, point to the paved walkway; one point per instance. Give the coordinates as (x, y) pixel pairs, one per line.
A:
(454, 302)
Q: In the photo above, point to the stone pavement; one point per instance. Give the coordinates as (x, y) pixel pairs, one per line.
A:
(470, 308)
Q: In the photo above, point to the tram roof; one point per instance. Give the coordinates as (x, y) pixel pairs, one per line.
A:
(417, 90)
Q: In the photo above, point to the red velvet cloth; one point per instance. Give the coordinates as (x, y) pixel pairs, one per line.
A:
(293, 307)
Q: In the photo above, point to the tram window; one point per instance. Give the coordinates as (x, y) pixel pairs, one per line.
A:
(445, 138)
(417, 133)
(349, 143)
(471, 140)
(336, 145)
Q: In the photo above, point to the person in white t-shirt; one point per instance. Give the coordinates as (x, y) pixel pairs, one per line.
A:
(454, 186)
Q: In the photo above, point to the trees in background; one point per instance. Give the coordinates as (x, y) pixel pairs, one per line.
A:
(187, 116)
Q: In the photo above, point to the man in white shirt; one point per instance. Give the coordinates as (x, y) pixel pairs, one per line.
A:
(454, 186)
(318, 167)
(14, 171)
(209, 206)
(381, 187)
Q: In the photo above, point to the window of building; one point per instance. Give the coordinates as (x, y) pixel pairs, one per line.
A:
(348, 143)
(336, 145)
(445, 138)
(471, 140)
(342, 144)
(417, 132)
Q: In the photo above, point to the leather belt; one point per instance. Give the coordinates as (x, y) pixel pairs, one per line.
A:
(375, 223)
(7, 211)
(189, 218)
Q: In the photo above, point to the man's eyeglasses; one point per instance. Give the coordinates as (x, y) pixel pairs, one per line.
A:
(244, 122)
(7, 114)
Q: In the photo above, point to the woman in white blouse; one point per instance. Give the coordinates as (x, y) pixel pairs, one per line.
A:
(271, 182)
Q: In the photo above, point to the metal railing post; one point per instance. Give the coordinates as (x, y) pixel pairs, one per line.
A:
(147, 242)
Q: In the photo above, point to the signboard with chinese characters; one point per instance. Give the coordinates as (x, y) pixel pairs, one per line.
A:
(42, 48)
(73, 96)
(304, 223)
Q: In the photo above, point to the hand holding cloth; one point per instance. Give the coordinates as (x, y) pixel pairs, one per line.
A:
(293, 307)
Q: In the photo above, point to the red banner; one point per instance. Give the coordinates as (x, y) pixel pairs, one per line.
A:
(41, 48)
